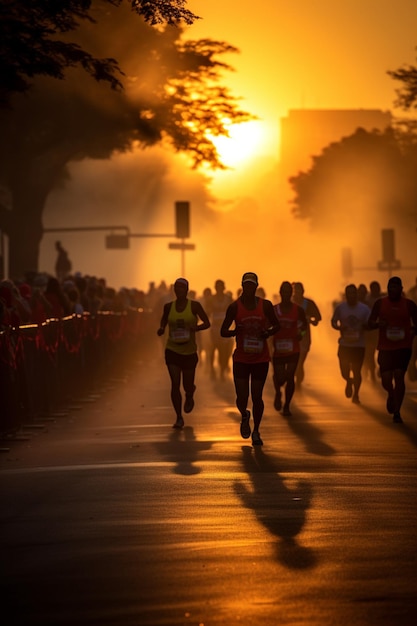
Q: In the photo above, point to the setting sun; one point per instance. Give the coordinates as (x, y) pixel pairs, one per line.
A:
(244, 142)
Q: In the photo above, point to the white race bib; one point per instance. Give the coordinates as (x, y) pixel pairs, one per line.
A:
(351, 335)
(180, 335)
(395, 334)
(253, 345)
(284, 345)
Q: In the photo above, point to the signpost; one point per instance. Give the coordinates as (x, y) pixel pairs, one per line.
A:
(121, 240)
(183, 247)
(388, 263)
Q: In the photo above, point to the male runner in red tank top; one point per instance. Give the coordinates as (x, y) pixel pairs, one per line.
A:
(395, 316)
(255, 321)
(286, 346)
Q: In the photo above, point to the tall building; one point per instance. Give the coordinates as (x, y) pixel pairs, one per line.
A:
(304, 133)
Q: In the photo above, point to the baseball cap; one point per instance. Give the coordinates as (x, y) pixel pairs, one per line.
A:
(395, 280)
(181, 281)
(249, 277)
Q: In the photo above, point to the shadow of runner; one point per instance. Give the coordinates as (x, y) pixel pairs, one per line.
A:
(282, 511)
(385, 420)
(183, 449)
(311, 435)
(301, 426)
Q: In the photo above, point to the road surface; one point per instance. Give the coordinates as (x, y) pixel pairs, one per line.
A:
(109, 517)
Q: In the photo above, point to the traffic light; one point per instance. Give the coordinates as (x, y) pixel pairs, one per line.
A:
(388, 245)
(182, 220)
(347, 267)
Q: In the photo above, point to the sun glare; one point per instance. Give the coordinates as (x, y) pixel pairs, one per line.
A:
(244, 142)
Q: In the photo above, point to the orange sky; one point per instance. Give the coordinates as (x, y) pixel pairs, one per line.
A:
(303, 54)
(294, 54)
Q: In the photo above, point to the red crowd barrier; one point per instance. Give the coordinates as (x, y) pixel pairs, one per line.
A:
(43, 366)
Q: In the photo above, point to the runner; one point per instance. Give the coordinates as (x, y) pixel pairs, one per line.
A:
(350, 318)
(313, 316)
(181, 356)
(396, 318)
(221, 346)
(286, 346)
(255, 321)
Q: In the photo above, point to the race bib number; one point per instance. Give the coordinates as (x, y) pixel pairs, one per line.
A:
(351, 335)
(284, 345)
(180, 335)
(395, 334)
(253, 345)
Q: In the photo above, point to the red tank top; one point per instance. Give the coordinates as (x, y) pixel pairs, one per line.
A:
(250, 347)
(396, 332)
(286, 339)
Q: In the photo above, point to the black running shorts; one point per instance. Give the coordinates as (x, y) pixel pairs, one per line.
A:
(389, 360)
(184, 361)
(258, 371)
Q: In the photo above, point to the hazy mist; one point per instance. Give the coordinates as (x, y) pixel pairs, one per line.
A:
(252, 230)
(247, 224)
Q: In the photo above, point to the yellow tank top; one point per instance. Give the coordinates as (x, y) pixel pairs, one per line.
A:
(181, 338)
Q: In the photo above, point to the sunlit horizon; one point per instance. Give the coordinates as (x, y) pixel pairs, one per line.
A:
(298, 56)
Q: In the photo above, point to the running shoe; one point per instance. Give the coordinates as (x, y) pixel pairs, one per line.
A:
(278, 401)
(390, 404)
(256, 439)
(355, 399)
(179, 423)
(286, 411)
(189, 403)
(348, 389)
(397, 418)
(245, 426)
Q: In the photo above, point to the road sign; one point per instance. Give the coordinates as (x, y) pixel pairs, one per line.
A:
(119, 242)
(389, 265)
(181, 246)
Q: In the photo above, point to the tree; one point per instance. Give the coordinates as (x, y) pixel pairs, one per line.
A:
(171, 94)
(407, 93)
(33, 39)
(367, 174)
(359, 180)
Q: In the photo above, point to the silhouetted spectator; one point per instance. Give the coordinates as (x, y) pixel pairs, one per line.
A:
(60, 305)
(25, 291)
(63, 264)
(74, 298)
(94, 296)
(15, 312)
(81, 284)
(41, 308)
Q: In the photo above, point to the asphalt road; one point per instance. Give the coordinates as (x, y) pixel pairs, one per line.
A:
(109, 517)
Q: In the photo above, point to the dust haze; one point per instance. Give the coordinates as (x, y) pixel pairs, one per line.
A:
(250, 227)
(247, 226)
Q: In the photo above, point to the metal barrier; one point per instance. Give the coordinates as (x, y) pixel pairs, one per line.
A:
(43, 367)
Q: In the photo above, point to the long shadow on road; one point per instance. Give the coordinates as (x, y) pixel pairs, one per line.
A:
(385, 420)
(301, 425)
(281, 510)
(183, 450)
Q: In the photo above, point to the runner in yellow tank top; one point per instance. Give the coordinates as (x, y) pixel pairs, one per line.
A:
(181, 316)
